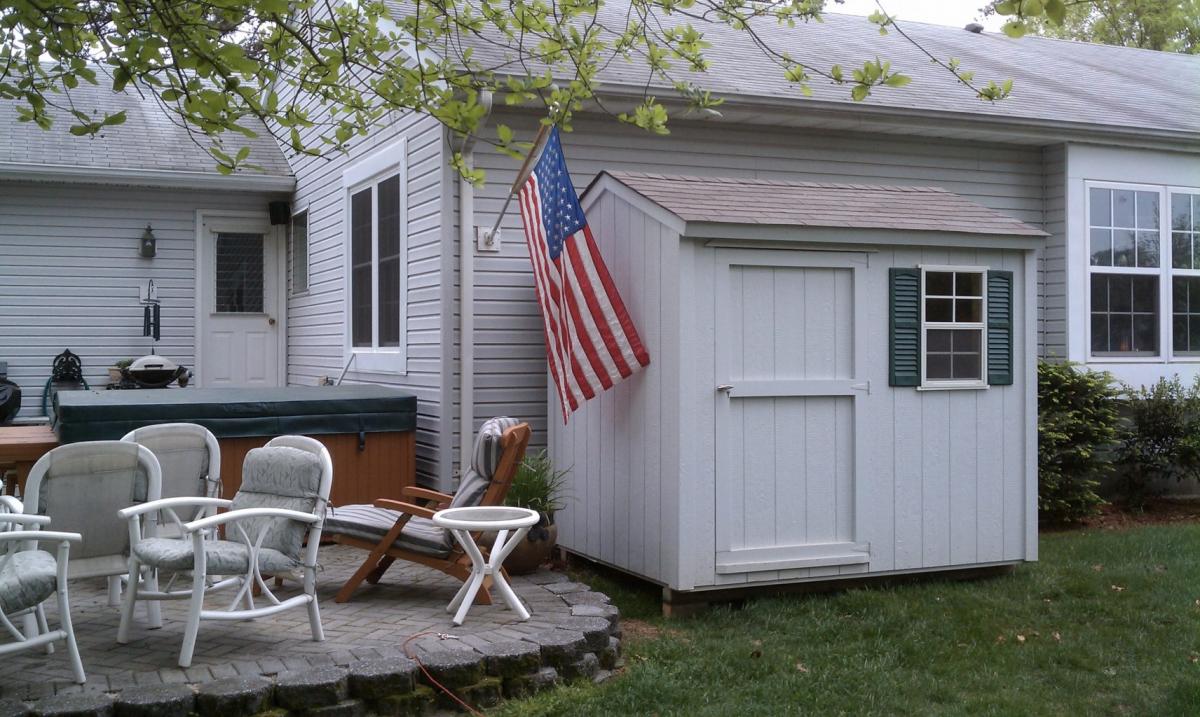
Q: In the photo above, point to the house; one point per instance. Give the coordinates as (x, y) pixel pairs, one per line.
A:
(386, 272)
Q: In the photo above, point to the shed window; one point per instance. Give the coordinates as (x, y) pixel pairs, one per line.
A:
(953, 326)
(299, 246)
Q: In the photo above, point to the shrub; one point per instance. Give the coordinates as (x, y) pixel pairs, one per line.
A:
(1163, 437)
(1077, 423)
(538, 485)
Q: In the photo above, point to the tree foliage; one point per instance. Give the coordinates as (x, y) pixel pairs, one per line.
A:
(1167, 25)
(319, 73)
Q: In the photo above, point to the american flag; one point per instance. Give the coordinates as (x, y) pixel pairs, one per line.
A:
(591, 342)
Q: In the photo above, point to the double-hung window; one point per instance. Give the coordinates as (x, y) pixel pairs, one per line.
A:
(953, 326)
(1185, 273)
(375, 218)
(1125, 270)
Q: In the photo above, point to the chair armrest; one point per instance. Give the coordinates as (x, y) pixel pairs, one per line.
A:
(412, 491)
(164, 503)
(24, 519)
(40, 535)
(414, 510)
(229, 516)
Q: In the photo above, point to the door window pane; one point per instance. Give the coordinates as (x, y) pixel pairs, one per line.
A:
(1124, 314)
(360, 268)
(239, 274)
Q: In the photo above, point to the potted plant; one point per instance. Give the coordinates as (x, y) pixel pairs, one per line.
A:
(114, 371)
(537, 486)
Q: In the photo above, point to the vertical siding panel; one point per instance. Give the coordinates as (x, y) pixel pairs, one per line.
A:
(652, 498)
(1015, 415)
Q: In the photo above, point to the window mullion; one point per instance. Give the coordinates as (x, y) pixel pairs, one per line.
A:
(375, 266)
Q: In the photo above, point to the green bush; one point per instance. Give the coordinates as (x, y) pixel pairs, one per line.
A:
(538, 486)
(1162, 439)
(1077, 423)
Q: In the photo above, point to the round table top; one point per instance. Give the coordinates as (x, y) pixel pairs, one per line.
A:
(486, 517)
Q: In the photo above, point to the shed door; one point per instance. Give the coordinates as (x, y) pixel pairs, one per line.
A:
(789, 344)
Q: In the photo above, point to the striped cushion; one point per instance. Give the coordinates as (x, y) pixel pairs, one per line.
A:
(486, 456)
(367, 522)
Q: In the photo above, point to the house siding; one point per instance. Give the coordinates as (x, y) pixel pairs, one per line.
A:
(70, 274)
(1052, 265)
(316, 319)
(510, 364)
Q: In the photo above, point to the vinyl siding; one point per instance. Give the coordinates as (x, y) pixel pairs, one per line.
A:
(510, 366)
(316, 319)
(70, 274)
(1052, 280)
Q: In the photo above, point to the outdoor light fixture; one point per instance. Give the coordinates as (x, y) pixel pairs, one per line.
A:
(146, 248)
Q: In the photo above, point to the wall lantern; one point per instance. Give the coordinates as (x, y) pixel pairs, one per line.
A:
(146, 248)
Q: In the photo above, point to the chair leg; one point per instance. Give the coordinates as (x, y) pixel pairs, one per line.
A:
(314, 609)
(43, 626)
(64, 617)
(114, 590)
(381, 568)
(130, 600)
(193, 621)
(368, 565)
(153, 607)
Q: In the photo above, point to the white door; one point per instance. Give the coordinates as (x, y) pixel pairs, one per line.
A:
(789, 368)
(239, 300)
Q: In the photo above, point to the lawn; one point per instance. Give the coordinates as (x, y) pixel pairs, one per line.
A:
(1106, 623)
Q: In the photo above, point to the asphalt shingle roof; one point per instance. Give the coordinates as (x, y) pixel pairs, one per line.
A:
(808, 204)
(148, 140)
(1054, 80)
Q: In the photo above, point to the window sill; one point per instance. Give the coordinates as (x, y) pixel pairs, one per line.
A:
(953, 387)
(391, 362)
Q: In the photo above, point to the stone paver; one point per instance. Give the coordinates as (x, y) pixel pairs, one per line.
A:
(404, 615)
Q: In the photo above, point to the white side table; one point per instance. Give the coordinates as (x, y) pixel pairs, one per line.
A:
(461, 522)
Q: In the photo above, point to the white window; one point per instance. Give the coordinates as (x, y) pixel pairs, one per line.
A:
(299, 251)
(952, 327)
(376, 260)
(1143, 272)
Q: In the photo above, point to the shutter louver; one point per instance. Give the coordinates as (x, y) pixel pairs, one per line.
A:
(999, 328)
(904, 327)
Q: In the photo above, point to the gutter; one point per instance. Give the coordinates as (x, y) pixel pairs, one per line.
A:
(466, 295)
(135, 177)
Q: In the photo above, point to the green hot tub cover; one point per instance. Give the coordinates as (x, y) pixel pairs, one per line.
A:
(236, 412)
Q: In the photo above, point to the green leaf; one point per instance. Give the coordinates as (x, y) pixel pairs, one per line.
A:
(859, 92)
(897, 80)
(1056, 11)
(114, 119)
(1015, 28)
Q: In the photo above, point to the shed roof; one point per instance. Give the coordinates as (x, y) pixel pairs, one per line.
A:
(148, 143)
(808, 204)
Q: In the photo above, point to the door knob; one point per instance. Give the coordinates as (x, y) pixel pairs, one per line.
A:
(270, 321)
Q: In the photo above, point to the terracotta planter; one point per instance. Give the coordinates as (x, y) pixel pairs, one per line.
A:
(534, 551)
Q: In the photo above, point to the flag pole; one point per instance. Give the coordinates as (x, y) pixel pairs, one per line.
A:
(539, 143)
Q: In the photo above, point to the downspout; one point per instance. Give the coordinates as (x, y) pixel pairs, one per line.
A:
(466, 296)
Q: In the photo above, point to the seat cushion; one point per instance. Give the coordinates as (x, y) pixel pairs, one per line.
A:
(222, 557)
(367, 522)
(27, 578)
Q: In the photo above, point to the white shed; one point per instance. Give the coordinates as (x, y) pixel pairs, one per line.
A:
(842, 384)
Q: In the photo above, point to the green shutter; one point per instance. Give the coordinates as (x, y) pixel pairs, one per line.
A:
(1000, 328)
(904, 327)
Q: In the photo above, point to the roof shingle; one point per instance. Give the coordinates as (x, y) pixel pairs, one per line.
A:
(808, 204)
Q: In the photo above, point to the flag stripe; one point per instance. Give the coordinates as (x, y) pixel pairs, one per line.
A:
(599, 324)
(633, 343)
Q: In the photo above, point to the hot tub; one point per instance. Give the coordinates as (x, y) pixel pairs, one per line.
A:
(369, 430)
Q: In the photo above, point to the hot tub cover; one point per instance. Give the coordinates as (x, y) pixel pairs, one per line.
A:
(236, 412)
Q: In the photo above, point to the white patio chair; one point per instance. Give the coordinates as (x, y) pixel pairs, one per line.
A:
(273, 526)
(28, 577)
(83, 486)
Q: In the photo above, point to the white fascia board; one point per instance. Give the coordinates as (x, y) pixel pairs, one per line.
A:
(135, 177)
(837, 236)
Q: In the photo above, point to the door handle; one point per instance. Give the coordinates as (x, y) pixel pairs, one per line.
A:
(725, 387)
(270, 321)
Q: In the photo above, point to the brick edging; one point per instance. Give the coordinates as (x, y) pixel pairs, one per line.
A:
(585, 643)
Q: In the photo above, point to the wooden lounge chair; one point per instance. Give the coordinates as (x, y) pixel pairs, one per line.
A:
(403, 530)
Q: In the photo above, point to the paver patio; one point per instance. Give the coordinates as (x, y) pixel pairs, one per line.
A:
(408, 603)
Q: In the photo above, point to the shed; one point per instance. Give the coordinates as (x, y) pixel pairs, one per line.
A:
(842, 385)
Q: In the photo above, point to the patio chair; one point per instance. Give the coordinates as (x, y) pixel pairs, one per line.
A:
(273, 526)
(83, 486)
(396, 530)
(28, 577)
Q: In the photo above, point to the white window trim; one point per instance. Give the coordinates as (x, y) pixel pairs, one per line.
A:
(1166, 352)
(297, 211)
(385, 161)
(958, 384)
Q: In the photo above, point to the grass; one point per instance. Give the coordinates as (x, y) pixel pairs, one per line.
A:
(1106, 623)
